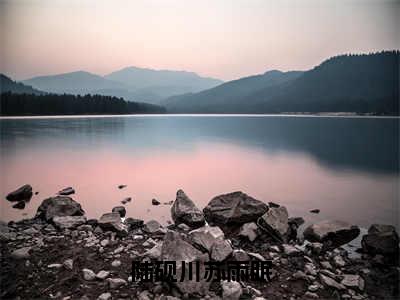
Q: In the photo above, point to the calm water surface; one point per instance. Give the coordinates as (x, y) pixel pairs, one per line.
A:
(347, 167)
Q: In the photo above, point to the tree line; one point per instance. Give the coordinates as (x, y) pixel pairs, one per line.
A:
(65, 104)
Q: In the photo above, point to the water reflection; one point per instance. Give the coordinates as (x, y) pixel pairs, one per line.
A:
(335, 164)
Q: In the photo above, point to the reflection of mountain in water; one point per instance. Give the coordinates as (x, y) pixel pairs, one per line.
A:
(366, 144)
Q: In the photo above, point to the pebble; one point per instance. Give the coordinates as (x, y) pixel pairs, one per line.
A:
(116, 263)
(102, 274)
(115, 283)
(88, 274)
(104, 296)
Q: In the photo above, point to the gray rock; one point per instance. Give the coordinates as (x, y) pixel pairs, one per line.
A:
(353, 281)
(22, 253)
(152, 226)
(68, 264)
(381, 239)
(104, 296)
(145, 295)
(115, 283)
(112, 221)
(175, 248)
(183, 227)
(69, 221)
(311, 295)
(331, 233)
(339, 261)
(329, 282)
(231, 290)
(102, 274)
(88, 274)
(59, 206)
(24, 193)
(67, 191)
(185, 211)
(19, 205)
(220, 250)
(119, 209)
(206, 236)
(236, 207)
(249, 230)
(276, 219)
(55, 266)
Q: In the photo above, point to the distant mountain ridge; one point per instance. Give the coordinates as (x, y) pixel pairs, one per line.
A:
(132, 83)
(9, 85)
(366, 83)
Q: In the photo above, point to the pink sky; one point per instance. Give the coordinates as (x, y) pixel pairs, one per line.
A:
(218, 38)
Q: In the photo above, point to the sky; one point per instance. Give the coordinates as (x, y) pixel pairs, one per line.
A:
(225, 39)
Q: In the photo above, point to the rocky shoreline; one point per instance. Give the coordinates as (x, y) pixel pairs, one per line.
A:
(60, 254)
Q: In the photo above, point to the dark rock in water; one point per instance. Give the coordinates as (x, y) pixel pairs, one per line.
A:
(155, 202)
(22, 193)
(112, 221)
(175, 248)
(69, 221)
(126, 200)
(273, 204)
(59, 206)
(315, 211)
(275, 220)
(185, 211)
(234, 208)
(121, 210)
(67, 191)
(133, 223)
(19, 205)
(122, 186)
(36, 193)
(331, 233)
(381, 239)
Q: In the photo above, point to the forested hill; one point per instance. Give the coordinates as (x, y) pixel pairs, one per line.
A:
(366, 83)
(8, 85)
(51, 104)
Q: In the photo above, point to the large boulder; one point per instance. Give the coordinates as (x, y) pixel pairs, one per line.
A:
(69, 221)
(59, 206)
(175, 248)
(331, 233)
(185, 211)
(234, 208)
(206, 236)
(112, 221)
(22, 193)
(275, 221)
(381, 239)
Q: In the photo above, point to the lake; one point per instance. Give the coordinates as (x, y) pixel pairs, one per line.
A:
(348, 167)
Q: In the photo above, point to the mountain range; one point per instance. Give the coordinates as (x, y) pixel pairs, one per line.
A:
(132, 83)
(366, 83)
(362, 83)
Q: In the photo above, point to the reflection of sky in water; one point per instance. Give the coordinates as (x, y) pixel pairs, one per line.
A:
(347, 167)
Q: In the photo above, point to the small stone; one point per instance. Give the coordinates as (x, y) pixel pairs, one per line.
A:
(104, 296)
(329, 282)
(19, 205)
(311, 295)
(122, 186)
(119, 250)
(21, 253)
(104, 242)
(67, 191)
(353, 281)
(88, 274)
(119, 209)
(102, 274)
(68, 264)
(116, 263)
(315, 211)
(231, 290)
(339, 261)
(313, 288)
(152, 226)
(183, 227)
(299, 275)
(310, 269)
(290, 250)
(55, 266)
(115, 283)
